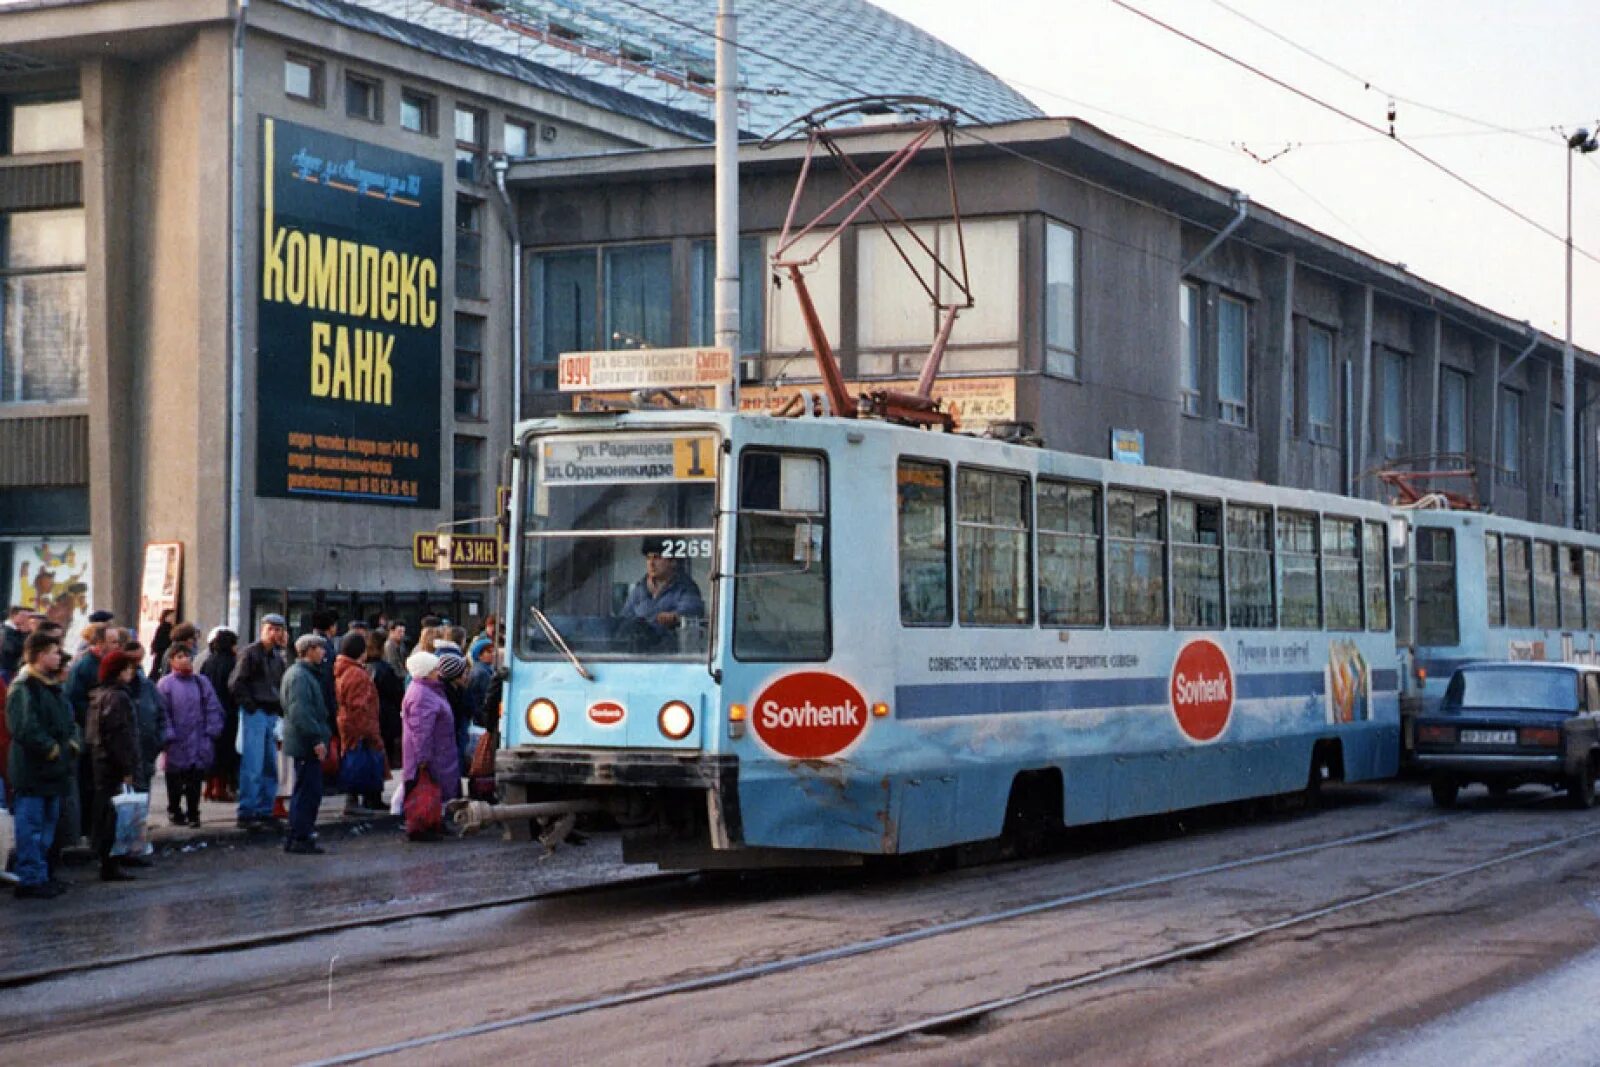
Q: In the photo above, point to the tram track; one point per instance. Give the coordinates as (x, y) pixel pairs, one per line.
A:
(870, 946)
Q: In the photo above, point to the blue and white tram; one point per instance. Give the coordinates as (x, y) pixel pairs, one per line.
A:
(1487, 587)
(905, 638)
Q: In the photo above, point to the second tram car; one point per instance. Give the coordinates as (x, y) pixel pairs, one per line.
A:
(759, 640)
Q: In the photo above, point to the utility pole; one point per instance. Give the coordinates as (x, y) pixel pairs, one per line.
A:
(726, 308)
(1585, 142)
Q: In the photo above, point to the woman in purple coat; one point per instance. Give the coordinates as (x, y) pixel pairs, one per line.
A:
(194, 722)
(428, 729)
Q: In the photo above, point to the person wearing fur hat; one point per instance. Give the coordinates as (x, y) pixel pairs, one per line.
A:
(194, 723)
(357, 697)
(113, 736)
(428, 733)
(305, 741)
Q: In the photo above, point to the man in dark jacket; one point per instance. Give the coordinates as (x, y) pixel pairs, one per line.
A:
(114, 749)
(217, 663)
(255, 685)
(305, 741)
(82, 677)
(18, 625)
(44, 748)
(324, 624)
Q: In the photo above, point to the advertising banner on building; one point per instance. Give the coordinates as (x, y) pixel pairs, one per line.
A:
(51, 575)
(348, 332)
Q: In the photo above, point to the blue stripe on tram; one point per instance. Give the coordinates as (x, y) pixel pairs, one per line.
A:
(1010, 698)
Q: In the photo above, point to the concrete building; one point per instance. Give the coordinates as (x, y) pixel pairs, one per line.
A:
(131, 409)
(1117, 296)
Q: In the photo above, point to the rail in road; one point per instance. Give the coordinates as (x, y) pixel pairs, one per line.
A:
(732, 976)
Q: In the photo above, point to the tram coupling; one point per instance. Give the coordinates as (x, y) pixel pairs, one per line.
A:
(556, 816)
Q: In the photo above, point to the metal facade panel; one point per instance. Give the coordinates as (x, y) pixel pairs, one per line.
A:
(44, 185)
(50, 450)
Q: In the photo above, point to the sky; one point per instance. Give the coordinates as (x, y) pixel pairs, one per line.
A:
(1479, 86)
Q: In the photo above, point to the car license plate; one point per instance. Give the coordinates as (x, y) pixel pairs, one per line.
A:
(1488, 737)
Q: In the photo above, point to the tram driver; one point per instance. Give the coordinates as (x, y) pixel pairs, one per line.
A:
(659, 601)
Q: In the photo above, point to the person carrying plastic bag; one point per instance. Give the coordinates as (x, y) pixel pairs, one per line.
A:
(428, 742)
(114, 751)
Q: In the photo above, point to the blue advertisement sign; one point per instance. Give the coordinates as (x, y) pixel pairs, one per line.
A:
(348, 333)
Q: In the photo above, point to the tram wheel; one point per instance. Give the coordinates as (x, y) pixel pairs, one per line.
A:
(1580, 788)
(1445, 789)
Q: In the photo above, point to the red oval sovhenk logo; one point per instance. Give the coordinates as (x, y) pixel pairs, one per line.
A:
(607, 713)
(809, 715)
(1202, 689)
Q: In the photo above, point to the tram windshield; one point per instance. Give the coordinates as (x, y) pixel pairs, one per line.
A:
(616, 546)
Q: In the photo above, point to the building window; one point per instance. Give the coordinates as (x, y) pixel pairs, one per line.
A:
(419, 112)
(1320, 388)
(638, 297)
(895, 319)
(518, 139)
(363, 98)
(41, 125)
(44, 339)
(1453, 388)
(302, 79)
(1233, 339)
(565, 302)
(1189, 346)
(1060, 300)
(468, 477)
(1394, 405)
(469, 248)
(469, 144)
(1510, 437)
(703, 294)
(469, 367)
(1555, 450)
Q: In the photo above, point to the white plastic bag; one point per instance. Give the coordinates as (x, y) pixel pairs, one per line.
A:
(133, 812)
(8, 842)
(397, 803)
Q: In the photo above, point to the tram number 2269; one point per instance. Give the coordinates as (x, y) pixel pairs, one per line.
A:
(686, 548)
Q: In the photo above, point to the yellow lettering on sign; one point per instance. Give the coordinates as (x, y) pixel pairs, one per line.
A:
(694, 457)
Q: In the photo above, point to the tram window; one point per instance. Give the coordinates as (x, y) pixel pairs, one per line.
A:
(1341, 573)
(1196, 564)
(1545, 615)
(1571, 559)
(1069, 554)
(780, 595)
(924, 494)
(1374, 573)
(1491, 574)
(1518, 585)
(1591, 584)
(1436, 588)
(1136, 546)
(1250, 602)
(992, 548)
(1299, 589)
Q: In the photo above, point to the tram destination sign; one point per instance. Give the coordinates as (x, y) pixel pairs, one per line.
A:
(595, 460)
(644, 368)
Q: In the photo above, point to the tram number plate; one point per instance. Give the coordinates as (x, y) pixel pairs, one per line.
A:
(1488, 737)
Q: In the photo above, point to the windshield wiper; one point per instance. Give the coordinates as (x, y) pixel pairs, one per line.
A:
(554, 635)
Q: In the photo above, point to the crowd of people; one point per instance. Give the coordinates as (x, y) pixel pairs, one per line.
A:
(263, 726)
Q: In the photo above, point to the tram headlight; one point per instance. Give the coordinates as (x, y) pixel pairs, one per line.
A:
(676, 719)
(542, 717)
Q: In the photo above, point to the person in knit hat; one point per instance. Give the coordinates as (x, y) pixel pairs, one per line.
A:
(453, 672)
(113, 735)
(194, 723)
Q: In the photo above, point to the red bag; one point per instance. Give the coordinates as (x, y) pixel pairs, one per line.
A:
(424, 807)
(333, 753)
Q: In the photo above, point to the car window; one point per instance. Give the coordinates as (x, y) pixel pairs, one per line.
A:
(1514, 689)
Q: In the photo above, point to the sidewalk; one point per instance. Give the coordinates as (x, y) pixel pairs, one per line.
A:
(218, 819)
